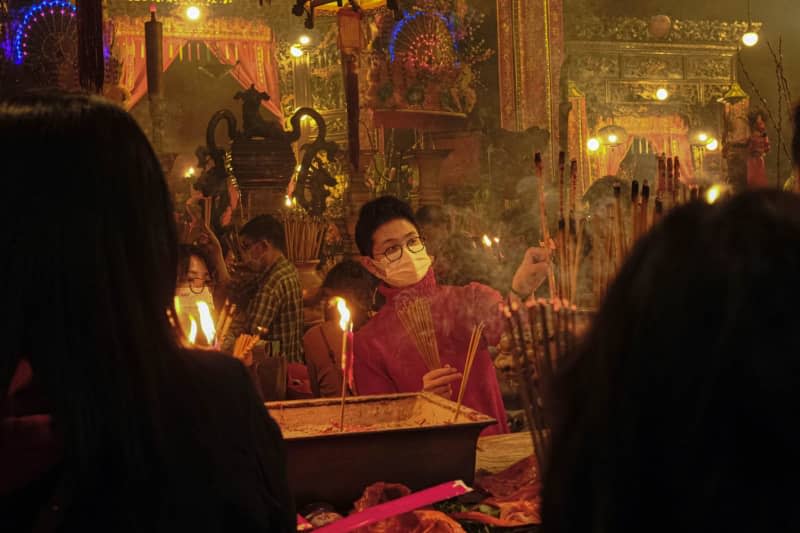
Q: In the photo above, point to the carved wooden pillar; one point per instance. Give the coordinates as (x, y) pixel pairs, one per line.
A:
(530, 53)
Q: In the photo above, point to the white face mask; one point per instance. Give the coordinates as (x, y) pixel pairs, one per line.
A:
(406, 271)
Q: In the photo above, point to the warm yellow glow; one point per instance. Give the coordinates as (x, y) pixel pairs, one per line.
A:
(487, 242)
(296, 51)
(750, 38)
(177, 305)
(662, 94)
(344, 314)
(206, 322)
(298, 168)
(192, 330)
(189, 173)
(712, 145)
(713, 194)
(593, 144)
(288, 201)
(304, 39)
(703, 137)
(193, 12)
(612, 139)
(497, 240)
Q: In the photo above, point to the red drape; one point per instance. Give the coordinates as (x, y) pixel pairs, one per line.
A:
(253, 54)
(668, 134)
(134, 73)
(256, 66)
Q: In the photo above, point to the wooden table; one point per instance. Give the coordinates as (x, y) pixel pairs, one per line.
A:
(498, 452)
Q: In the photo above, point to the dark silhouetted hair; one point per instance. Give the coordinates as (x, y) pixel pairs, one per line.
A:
(185, 253)
(268, 228)
(678, 413)
(375, 214)
(88, 276)
(350, 276)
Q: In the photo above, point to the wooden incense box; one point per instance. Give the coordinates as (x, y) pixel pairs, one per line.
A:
(398, 438)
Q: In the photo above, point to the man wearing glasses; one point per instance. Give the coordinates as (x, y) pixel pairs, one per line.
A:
(386, 358)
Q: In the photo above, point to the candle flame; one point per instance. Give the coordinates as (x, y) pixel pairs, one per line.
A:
(288, 201)
(189, 172)
(344, 314)
(206, 322)
(497, 240)
(192, 330)
(713, 194)
(487, 241)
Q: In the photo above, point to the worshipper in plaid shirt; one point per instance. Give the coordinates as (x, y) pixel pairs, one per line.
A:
(274, 301)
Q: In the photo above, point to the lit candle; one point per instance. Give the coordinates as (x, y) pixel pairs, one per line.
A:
(192, 330)
(206, 322)
(346, 326)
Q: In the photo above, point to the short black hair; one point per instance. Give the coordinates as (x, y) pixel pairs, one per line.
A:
(349, 275)
(266, 227)
(375, 214)
(185, 253)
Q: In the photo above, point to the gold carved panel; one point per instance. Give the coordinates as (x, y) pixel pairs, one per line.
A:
(652, 67)
(708, 67)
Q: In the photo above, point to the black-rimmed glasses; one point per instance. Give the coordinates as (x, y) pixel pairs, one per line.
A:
(414, 245)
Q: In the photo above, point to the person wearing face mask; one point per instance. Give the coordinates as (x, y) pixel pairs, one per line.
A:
(273, 301)
(386, 359)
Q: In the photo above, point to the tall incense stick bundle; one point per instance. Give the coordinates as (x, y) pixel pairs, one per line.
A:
(670, 177)
(304, 236)
(415, 315)
(472, 349)
(661, 184)
(543, 333)
(678, 183)
(561, 163)
(537, 161)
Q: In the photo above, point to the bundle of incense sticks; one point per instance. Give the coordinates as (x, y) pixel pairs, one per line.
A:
(244, 344)
(546, 240)
(415, 315)
(474, 342)
(614, 239)
(304, 236)
(224, 320)
(569, 238)
(543, 332)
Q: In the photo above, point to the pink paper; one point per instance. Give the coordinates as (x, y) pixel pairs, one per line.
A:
(406, 504)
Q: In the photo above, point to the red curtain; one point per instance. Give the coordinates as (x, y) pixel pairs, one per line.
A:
(256, 65)
(668, 134)
(134, 72)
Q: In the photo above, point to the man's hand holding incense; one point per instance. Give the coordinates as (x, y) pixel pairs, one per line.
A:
(440, 381)
(532, 272)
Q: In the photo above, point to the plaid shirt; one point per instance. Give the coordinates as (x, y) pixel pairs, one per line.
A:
(277, 305)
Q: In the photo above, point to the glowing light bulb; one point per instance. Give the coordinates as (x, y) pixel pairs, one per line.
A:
(593, 144)
(703, 137)
(304, 39)
(662, 94)
(296, 51)
(612, 139)
(193, 12)
(750, 38)
(712, 145)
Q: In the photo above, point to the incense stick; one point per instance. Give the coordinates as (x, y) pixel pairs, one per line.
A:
(474, 342)
(537, 161)
(415, 315)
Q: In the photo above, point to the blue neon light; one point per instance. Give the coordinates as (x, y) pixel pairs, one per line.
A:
(36, 10)
(408, 17)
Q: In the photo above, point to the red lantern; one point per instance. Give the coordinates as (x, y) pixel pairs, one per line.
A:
(350, 36)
